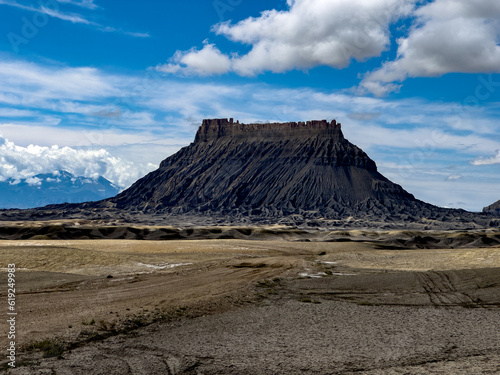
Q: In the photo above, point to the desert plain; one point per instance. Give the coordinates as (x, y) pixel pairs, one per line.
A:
(253, 300)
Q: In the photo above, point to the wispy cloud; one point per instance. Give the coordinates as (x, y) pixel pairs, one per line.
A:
(52, 12)
(134, 34)
(33, 82)
(89, 4)
(109, 29)
(52, 9)
(71, 17)
(15, 4)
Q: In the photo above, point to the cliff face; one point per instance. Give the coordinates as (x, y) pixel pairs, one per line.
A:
(211, 130)
(271, 170)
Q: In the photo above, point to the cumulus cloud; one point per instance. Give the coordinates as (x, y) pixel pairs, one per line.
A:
(207, 61)
(308, 34)
(34, 181)
(449, 36)
(23, 163)
(495, 159)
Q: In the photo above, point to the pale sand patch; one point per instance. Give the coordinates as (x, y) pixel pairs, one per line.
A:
(91, 256)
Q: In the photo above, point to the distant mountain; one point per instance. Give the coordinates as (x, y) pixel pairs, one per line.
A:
(53, 188)
(493, 209)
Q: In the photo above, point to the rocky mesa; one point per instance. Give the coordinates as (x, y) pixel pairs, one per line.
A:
(271, 170)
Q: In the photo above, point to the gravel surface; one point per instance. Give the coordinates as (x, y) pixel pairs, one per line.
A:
(255, 307)
(286, 336)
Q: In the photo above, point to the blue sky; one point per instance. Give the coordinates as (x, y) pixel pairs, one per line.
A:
(111, 88)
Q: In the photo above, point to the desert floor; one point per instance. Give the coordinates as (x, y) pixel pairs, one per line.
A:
(234, 306)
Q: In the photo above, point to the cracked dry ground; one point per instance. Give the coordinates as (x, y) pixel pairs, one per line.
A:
(254, 307)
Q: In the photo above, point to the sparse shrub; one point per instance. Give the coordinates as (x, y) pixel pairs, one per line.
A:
(50, 348)
(137, 322)
(106, 326)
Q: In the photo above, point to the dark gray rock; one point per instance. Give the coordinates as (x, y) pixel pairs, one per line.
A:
(271, 170)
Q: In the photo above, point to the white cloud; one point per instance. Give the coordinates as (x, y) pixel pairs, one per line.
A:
(32, 82)
(310, 33)
(31, 133)
(51, 8)
(18, 163)
(89, 4)
(109, 29)
(207, 61)
(453, 177)
(495, 159)
(449, 36)
(134, 34)
(33, 181)
(71, 17)
(120, 100)
(447, 9)
(81, 91)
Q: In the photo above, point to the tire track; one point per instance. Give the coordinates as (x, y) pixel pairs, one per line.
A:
(442, 291)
